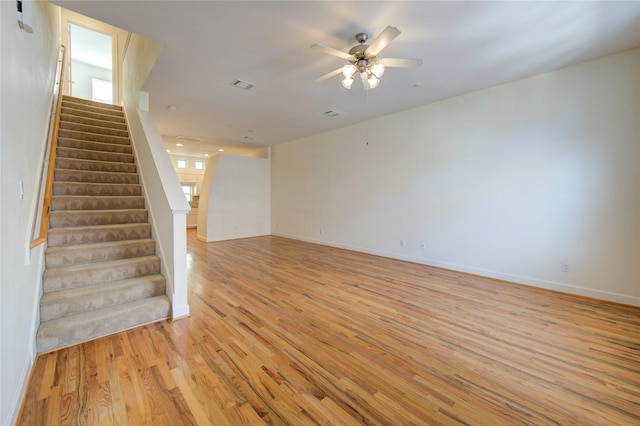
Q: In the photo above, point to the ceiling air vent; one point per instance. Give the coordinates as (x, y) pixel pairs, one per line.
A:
(188, 139)
(241, 84)
(331, 113)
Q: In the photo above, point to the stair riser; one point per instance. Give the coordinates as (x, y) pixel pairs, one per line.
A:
(95, 166)
(95, 146)
(87, 235)
(73, 302)
(65, 219)
(57, 257)
(85, 128)
(95, 189)
(103, 122)
(75, 202)
(95, 137)
(95, 177)
(54, 334)
(87, 275)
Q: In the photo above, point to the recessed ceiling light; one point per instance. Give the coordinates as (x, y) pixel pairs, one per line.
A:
(241, 84)
(168, 150)
(179, 144)
(172, 108)
(206, 155)
(221, 150)
(331, 113)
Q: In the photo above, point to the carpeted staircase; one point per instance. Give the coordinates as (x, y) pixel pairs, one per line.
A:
(102, 275)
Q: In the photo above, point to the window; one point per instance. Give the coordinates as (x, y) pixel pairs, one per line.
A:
(101, 90)
(199, 165)
(188, 189)
(182, 164)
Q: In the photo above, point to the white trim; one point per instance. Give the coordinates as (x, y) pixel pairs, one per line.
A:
(16, 401)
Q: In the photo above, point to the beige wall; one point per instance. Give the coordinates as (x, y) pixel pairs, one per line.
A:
(508, 182)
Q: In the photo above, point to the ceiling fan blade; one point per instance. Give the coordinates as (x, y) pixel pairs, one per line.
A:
(365, 82)
(383, 40)
(330, 51)
(401, 62)
(329, 75)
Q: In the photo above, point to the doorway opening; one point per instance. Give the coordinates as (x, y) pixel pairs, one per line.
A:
(91, 64)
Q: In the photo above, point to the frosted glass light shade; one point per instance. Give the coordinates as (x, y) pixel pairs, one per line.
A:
(348, 71)
(373, 82)
(347, 82)
(377, 69)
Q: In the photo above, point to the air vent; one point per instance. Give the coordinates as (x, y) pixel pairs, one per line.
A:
(188, 139)
(331, 113)
(241, 84)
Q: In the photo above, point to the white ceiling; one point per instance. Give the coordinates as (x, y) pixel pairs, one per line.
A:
(466, 46)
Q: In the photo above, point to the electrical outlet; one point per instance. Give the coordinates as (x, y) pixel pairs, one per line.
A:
(423, 246)
(565, 267)
(402, 243)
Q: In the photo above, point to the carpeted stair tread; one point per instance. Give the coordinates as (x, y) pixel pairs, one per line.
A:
(89, 202)
(90, 129)
(101, 271)
(97, 189)
(103, 121)
(96, 166)
(93, 107)
(95, 146)
(57, 257)
(98, 234)
(66, 175)
(71, 218)
(86, 103)
(75, 276)
(74, 110)
(59, 304)
(95, 137)
(85, 154)
(75, 329)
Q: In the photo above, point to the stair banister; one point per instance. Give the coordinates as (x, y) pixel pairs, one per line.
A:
(41, 221)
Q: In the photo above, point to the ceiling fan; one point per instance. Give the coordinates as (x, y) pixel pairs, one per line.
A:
(363, 59)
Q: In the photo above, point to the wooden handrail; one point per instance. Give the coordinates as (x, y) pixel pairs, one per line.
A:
(53, 137)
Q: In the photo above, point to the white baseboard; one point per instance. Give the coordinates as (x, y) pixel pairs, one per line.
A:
(16, 403)
(518, 279)
(179, 311)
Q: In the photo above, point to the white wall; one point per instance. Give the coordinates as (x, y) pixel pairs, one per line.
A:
(507, 182)
(164, 198)
(82, 75)
(28, 64)
(235, 202)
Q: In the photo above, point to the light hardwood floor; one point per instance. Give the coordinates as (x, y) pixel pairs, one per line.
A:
(285, 332)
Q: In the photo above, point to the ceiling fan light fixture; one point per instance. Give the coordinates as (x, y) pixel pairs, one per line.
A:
(347, 82)
(349, 70)
(363, 59)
